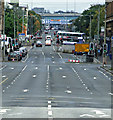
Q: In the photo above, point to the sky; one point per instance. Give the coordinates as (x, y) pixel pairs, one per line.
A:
(55, 5)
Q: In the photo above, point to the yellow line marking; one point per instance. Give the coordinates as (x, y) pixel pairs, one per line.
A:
(3, 81)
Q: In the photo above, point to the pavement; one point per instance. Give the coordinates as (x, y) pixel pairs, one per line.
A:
(106, 67)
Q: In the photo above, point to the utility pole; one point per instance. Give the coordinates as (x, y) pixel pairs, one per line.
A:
(14, 20)
(98, 33)
(23, 22)
(104, 52)
(90, 28)
(98, 24)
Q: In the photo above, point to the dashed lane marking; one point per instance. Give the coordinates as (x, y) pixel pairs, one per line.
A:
(50, 113)
(24, 68)
(3, 67)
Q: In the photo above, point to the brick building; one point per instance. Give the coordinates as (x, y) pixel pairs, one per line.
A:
(109, 15)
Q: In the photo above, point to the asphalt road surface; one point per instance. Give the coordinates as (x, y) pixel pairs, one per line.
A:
(44, 85)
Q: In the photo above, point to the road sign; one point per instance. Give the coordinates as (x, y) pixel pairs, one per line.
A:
(22, 34)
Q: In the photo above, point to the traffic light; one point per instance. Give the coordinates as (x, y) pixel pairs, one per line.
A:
(91, 48)
(13, 43)
(105, 48)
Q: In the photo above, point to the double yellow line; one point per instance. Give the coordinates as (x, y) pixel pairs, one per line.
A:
(3, 81)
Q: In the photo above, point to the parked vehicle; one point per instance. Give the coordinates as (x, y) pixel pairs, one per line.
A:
(14, 56)
(19, 53)
(38, 44)
(24, 51)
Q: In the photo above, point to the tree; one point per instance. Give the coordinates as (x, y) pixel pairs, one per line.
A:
(82, 23)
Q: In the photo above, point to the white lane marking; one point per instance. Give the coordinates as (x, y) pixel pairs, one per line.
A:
(12, 83)
(80, 79)
(52, 56)
(94, 78)
(50, 113)
(53, 48)
(4, 76)
(3, 90)
(103, 116)
(49, 106)
(60, 68)
(24, 68)
(25, 90)
(34, 76)
(103, 73)
(110, 94)
(84, 69)
(2, 111)
(12, 68)
(98, 112)
(60, 56)
(87, 115)
(63, 76)
(49, 102)
(68, 91)
(26, 58)
(53, 62)
(3, 67)
(43, 55)
(36, 68)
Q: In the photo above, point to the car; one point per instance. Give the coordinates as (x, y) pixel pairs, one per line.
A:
(38, 44)
(48, 43)
(19, 53)
(46, 32)
(48, 37)
(14, 56)
(38, 37)
(23, 50)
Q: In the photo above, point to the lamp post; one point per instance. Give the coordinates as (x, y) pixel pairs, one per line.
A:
(104, 52)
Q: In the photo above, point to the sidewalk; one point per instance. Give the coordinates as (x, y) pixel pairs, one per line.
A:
(107, 67)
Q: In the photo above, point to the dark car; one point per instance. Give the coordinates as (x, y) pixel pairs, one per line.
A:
(14, 56)
(38, 44)
(46, 32)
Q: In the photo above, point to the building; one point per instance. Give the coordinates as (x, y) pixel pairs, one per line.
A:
(109, 19)
(1, 16)
(38, 10)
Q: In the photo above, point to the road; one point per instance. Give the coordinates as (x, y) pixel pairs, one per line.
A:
(44, 85)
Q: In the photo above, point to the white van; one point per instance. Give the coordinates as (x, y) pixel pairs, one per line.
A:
(48, 43)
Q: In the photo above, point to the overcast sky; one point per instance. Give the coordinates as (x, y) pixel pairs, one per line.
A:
(55, 5)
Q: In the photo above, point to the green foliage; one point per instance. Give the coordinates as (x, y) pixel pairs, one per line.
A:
(34, 22)
(82, 23)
